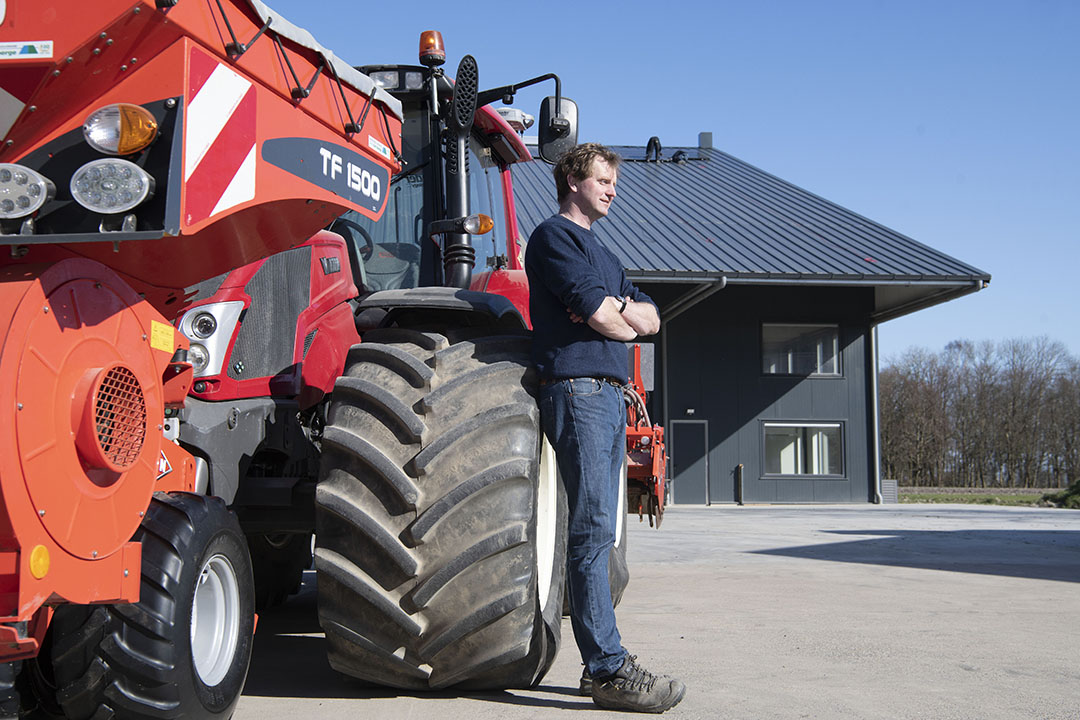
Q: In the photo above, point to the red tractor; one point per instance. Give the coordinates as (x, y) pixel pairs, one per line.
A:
(158, 485)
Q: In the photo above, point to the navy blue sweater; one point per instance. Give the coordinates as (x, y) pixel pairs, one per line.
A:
(568, 269)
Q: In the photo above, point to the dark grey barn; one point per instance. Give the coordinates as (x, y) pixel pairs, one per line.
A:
(770, 298)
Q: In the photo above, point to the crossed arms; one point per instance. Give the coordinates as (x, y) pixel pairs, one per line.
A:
(639, 318)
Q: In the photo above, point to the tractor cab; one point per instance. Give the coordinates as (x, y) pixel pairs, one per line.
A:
(449, 209)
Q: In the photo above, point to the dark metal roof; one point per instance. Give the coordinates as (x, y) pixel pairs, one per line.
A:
(714, 216)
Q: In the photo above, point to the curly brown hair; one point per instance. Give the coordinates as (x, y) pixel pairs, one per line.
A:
(577, 163)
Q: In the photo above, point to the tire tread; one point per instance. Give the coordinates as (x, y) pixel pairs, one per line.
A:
(387, 473)
(121, 660)
(408, 366)
(468, 610)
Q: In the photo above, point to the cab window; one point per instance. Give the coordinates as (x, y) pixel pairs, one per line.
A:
(485, 196)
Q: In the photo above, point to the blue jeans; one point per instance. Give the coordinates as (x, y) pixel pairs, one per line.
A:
(585, 421)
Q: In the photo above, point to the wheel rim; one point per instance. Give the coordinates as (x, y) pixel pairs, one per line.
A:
(215, 620)
(546, 519)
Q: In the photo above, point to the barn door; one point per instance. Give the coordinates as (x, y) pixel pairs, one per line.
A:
(690, 462)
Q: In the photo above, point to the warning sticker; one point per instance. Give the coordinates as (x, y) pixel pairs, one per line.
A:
(27, 50)
(161, 336)
(164, 467)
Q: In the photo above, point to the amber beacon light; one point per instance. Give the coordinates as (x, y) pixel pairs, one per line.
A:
(432, 50)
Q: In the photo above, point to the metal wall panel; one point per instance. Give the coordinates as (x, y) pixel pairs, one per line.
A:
(714, 369)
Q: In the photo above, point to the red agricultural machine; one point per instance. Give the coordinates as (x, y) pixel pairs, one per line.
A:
(239, 309)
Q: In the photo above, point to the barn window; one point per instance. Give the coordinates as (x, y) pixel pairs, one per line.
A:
(804, 449)
(800, 349)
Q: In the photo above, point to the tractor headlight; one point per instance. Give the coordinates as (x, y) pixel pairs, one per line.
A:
(398, 80)
(120, 129)
(386, 79)
(111, 185)
(204, 325)
(199, 358)
(22, 191)
(210, 328)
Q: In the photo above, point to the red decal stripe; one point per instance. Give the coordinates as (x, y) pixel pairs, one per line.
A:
(218, 167)
(200, 69)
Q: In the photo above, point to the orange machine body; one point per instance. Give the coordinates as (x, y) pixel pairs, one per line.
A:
(82, 435)
(263, 137)
(256, 151)
(645, 450)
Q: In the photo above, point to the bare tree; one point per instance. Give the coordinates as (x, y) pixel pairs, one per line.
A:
(973, 402)
(1064, 423)
(913, 405)
(1029, 371)
(983, 415)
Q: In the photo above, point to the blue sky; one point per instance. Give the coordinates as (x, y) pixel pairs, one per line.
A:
(954, 122)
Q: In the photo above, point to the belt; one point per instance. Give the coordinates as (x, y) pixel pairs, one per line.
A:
(602, 378)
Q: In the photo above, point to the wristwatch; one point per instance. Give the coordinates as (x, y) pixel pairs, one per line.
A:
(623, 306)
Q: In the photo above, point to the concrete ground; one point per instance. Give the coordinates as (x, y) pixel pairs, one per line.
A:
(897, 611)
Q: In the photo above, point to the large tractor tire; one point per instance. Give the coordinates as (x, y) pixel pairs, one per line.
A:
(183, 650)
(441, 523)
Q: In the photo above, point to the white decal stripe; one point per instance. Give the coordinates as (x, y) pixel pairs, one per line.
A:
(209, 112)
(10, 107)
(241, 187)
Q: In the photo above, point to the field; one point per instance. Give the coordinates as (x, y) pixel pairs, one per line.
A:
(973, 496)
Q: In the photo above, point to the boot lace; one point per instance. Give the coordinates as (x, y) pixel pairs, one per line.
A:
(637, 677)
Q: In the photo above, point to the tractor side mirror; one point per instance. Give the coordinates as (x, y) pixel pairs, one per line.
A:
(558, 130)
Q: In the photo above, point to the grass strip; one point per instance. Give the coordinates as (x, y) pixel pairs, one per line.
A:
(972, 498)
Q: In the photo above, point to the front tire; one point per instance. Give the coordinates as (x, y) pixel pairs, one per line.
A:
(183, 650)
(441, 533)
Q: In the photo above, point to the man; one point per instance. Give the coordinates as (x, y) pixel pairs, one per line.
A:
(583, 311)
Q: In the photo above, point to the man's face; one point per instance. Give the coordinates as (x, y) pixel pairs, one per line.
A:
(594, 194)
